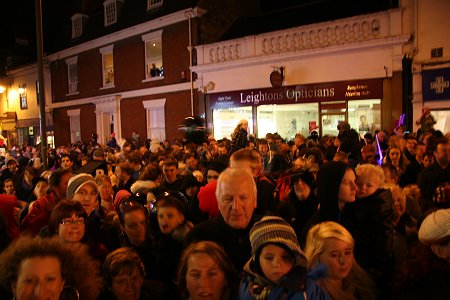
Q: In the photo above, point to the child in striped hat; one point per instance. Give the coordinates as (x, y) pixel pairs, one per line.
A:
(277, 269)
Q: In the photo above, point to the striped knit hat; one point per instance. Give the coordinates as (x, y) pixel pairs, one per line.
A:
(77, 181)
(271, 229)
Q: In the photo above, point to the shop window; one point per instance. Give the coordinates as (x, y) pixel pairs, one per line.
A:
(154, 3)
(288, 119)
(72, 74)
(442, 118)
(153, 55)
(107, 66)
(156, 122)
(365, 115)
(225, 120)
(23, 96)
(74, 117)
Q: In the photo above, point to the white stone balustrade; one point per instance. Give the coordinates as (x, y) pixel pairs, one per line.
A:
(348, 31)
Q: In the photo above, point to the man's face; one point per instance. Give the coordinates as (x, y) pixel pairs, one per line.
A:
(191, 163)
(66, 163)
(442, 153)
(237, 202)
(61, 189)
(263, 149)
(411, 145)
(12, 166)
(170, 173)
(9, 187)
(381, 136)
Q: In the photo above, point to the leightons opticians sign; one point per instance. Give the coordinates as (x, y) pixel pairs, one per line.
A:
(330, 91)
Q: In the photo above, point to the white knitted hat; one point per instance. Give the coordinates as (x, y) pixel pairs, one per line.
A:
(435, 227)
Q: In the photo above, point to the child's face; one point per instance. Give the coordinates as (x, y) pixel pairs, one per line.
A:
(169, 218)
(366, 186)
(338, 257)
(275, 262)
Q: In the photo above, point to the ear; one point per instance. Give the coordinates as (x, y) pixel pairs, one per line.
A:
(437, 250)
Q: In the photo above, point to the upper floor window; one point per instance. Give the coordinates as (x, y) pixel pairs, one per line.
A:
(23, 96)
(154, 3)
(72, 74)
(107, 66)
(111, 8)
(153, 55)
(78, 23)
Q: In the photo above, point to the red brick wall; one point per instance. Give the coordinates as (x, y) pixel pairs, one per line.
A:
(62, 123)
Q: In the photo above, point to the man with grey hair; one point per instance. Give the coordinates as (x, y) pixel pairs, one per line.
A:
(236, 198)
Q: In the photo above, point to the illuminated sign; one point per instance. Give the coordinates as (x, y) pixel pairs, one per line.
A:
(330, 91)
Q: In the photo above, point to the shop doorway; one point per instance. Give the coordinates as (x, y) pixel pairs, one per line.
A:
(331, 114)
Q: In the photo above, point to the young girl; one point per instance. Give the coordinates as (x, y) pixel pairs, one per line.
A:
(277, 269)
(332, 245)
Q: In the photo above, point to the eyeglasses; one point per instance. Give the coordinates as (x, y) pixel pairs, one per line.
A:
(72, 222)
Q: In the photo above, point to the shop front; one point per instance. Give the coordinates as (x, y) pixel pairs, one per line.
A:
(436, 96)
(301, 109)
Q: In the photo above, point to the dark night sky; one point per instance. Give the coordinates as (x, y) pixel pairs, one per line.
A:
(18, 20)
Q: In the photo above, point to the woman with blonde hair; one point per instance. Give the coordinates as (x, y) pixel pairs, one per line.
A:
(332, 245)
(239, 137)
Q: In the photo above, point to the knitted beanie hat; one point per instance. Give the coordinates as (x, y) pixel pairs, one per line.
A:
(435, 227)
(77, 181)
(271, 229)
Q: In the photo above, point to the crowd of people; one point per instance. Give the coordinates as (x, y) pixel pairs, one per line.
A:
(340, 217)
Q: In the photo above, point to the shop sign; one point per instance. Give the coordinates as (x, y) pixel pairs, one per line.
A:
(330, 91)
(436, 84)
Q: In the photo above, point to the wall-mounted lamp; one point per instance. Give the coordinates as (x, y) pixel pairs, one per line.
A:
(22, 89)
(277, 76)
(2, 89)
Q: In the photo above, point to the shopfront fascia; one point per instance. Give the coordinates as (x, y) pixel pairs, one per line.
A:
(298, 109)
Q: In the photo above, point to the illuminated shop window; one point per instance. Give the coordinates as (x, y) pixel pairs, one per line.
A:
(287, 119)
(364, 115)
(225, 120)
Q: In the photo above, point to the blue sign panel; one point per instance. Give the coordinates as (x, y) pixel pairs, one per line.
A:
(436, 84)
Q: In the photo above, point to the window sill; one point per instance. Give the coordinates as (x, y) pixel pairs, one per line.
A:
(72, 94)
(156, 78)
(105, 87)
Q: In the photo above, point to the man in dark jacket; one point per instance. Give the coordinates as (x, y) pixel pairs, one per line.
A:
(436, 177)
(349, 143)
(236, 197)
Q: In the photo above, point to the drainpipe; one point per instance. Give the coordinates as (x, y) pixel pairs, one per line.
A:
(190, 66)
(196, 12)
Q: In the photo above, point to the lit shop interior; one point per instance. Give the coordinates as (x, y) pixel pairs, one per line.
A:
(289, 119)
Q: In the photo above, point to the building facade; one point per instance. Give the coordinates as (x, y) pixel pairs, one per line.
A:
(135, 79)
(344, 70)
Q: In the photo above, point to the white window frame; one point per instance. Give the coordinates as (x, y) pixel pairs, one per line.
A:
(106, 51)
(111, 11)
(78, 24)
(151, 4)
(75, 127)
(155, 36)
(73, 84)
(156, 120)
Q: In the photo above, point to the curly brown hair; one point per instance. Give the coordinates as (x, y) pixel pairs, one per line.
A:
(78, 269)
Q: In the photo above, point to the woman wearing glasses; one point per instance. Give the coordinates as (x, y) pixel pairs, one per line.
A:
(83, 189)
(68, 221)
